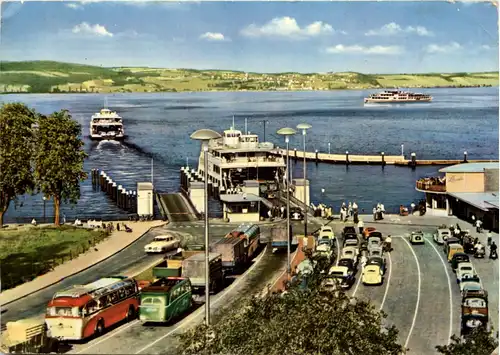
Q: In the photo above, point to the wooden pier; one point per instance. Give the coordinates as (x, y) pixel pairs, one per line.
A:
(381, 159)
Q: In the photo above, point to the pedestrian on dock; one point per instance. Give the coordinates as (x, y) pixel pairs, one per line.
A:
(374, 213)
(361, 226)
(478, 225)
(412, 208)
(355, 219)
(349, 209)
(489, 237)
(118, 226)
(354, 208)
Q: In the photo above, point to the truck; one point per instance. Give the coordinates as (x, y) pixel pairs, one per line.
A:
(250, 233)
(279, 237)
(172, 266)
(27, 336)
(233, 252)
(194, 269)
(474, 311)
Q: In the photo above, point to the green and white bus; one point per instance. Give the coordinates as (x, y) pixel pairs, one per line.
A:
(165, 299)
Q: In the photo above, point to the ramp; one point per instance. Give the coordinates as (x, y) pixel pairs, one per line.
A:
(175, 208)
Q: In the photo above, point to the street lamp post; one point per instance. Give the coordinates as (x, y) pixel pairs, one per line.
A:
(205, 135)
(403, 150)
(287, 132)
(304, 127)
(44, 204)
(329, 150)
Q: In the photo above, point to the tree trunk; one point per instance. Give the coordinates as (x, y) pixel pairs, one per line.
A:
(4, 205)
(57, 206)
(1, 218)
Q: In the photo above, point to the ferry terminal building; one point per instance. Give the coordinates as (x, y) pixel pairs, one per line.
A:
(465, 190)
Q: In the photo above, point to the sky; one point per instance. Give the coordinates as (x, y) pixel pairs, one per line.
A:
(302, 36)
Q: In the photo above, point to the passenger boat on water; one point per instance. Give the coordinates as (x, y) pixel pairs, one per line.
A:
(106, 125)
(397, 96)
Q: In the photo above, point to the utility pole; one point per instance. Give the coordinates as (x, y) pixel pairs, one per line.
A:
(264, 122)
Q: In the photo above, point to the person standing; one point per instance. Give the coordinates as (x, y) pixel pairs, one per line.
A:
(361, 226)
(349, 209)
(374, 213)
(412, 207)
(478, 225)
(354, 208)
(489, 237)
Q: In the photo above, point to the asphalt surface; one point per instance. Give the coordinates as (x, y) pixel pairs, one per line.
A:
(416, 290)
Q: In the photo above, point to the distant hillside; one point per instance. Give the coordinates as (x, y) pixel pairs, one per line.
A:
(57, 77)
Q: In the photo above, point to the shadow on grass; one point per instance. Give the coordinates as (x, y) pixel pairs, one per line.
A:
(21, 267)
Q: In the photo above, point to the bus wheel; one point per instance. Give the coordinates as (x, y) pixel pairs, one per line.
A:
(131, 315)
(99, 329)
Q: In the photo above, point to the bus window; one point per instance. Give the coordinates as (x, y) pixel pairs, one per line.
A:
(147, 300)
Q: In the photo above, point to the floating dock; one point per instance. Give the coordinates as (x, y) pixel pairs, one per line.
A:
(381, 159)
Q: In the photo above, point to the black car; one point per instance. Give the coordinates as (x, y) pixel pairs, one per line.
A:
(349, 263)
(457, 259)
(348, 230)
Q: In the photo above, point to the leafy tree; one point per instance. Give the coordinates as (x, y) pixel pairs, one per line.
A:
(479, 342)
(297, 322)
(16, 152)
(59, 159)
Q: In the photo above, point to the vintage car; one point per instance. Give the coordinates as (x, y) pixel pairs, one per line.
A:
(324, 250)
(471, 284)
(372, 275)
(162, 244)
(326, 231)
(450, 240)
(351, 264)
(350, 252)
(351, 242)
(457, 259)
(325, 240)
(417, 237)
(471, 322)
(374, 242)
(375, 251)
(367, 231)
(296, 214)
(465, 271)
(344, 275)
(377, 260)
(441, 235)
(349, 229)
(453, 249)
(330, 284)
(474, 310)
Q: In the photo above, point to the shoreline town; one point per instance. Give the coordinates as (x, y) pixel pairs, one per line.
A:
(269, 226)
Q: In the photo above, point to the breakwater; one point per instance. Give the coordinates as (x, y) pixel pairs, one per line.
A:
(126, 200)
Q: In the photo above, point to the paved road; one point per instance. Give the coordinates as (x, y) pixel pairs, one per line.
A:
(417, 287)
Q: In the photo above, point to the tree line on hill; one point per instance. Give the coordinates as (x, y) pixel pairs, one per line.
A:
(39, 154)
(310, 320)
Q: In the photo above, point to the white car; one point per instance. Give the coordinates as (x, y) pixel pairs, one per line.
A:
(465, 271)
(326, 232)
(162, 244)
(417, 237)
(350, 253)
(441, 235)
(471, 284)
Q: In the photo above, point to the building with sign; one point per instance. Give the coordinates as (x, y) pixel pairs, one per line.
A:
(465, 190)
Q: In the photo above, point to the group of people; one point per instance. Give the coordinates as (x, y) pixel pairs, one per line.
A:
(349, 210)
(378, 212)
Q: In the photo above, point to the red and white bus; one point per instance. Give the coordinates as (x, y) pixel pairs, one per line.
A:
(85, 310)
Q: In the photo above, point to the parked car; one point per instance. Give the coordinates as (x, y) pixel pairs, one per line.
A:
(454, 249)
(417, 237)
(350, 252)
(441, 235)
(351, 264)
(368, 230)
(343, 274)
(375, 251)
(326, 231)
(377, 260)
(374, 242)
(471, 284)
(349, 229)
(162, 244)
(465, 271)
(372, 275)
(458, 258)
(351, 242)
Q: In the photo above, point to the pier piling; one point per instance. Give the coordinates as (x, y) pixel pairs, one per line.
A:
(316, 156)
(346, 157)
(114, 191)
(413, 162)
(295, 152)
(465, 157)
(383, 159)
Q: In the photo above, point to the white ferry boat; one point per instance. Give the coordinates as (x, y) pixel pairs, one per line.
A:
(106, 125)
(397, 96)
(237, 157)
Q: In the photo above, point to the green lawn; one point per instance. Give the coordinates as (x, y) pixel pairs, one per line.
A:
(28, 252)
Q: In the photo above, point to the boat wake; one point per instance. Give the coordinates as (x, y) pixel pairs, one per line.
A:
(143, 152)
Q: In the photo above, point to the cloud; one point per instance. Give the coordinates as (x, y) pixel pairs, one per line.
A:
(287, 27)
(443, 48)
(213, 36)
(180, 5)
(74, 6)
(95, 30)
(357, 49)
(392, 29)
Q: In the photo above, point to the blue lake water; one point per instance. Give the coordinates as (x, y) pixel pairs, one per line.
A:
(159, 125)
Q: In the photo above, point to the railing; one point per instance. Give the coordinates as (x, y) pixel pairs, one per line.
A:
(428, 185)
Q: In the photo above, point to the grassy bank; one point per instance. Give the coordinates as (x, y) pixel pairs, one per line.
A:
(28, 252)
(56, 77)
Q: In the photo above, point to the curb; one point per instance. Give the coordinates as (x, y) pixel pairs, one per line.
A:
(86, 268)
